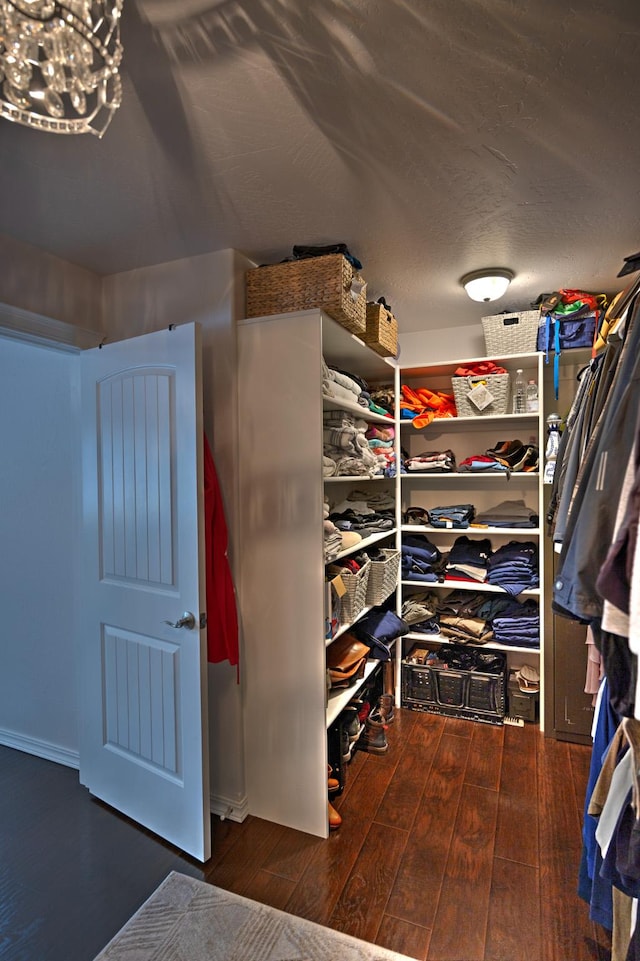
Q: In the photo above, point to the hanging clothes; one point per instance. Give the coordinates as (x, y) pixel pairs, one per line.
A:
(222, 616)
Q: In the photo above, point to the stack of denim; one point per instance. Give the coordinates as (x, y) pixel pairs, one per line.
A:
(421, 560)
(508, 514)
(518, 625)
(453, 516)
(514, 567)
(468, 559)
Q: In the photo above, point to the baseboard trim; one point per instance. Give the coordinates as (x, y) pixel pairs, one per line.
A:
(223, 807)
(229, 808)
(40, 748)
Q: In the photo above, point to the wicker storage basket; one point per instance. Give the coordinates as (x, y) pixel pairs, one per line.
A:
(511, 333)
(383, 578)
(496, 384)
(382, 331)
(324, 282)
(355, 598)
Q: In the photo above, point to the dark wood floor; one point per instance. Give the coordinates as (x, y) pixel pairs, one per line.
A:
(462, 842)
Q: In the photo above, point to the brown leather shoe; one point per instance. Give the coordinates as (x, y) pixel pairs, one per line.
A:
(334, 818)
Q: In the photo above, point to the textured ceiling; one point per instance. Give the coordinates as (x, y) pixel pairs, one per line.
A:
(433, 138)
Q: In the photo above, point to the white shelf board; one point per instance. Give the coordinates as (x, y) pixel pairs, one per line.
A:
(469, 474)
(365, 542)
(340, 698)
(426, 529)
(491, 645)
(465, 422)
(355, 478)
(469, 586)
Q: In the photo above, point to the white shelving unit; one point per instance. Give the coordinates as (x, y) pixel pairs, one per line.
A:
(466, 436)
(282, 568)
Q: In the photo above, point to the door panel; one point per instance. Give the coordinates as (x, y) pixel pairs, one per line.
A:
(143, 740)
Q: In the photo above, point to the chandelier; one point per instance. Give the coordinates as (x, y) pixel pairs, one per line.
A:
(59, 64)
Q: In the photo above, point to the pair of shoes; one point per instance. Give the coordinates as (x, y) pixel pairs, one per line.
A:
(528, 679)
(334, 818)
(385, 707)
(528, 462)
(504, 448)
(374, 739)
(333, 784)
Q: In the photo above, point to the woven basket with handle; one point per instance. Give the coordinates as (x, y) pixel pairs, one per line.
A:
(329, 282)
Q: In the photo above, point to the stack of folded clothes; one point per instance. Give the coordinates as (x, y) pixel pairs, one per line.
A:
(380, 440)
(468, 559)
(452, 516)
(461, 618)
(518, 625)
(420, 611)
(432, 462)
(514, 567)
(421, 560)
(332, 536)
(481, 463)
(508, 514)
(346, 450)
(364, 513)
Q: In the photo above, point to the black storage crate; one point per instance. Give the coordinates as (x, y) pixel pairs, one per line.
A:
(463, 682)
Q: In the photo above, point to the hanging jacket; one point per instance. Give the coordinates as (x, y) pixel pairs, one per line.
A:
(222, 617)
(594, 504)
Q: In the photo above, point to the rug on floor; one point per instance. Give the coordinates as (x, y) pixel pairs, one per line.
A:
(188, 920)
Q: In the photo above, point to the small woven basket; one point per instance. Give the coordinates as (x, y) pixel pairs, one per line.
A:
(330, 283)
(382, 330)
(496, 384)
(355, 598)
(511, 333)
(383, 578)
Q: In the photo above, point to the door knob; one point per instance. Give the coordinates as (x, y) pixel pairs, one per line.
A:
(187, 620)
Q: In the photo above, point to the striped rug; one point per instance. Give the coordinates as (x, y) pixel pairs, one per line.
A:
(188, 920)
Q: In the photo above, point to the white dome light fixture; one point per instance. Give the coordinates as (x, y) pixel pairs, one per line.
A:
(487, 284)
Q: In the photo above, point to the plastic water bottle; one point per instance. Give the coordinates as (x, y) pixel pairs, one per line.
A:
(553, 442)
(532, 397)
(519, 398)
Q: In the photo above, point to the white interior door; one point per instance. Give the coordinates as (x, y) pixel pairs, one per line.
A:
(143, 724)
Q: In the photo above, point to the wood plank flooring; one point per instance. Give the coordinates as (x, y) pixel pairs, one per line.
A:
(462, 842)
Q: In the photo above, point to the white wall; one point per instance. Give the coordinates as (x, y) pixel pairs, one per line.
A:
(39, 469)
(37, 281)
(446, 343)
(208, 289)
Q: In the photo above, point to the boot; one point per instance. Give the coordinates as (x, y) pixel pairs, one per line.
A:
(385, 707)
(374, 739)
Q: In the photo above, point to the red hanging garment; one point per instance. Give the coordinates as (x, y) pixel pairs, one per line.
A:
(222, 615)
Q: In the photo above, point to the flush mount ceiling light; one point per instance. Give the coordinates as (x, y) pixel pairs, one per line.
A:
(59, 64)
(488, 284)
